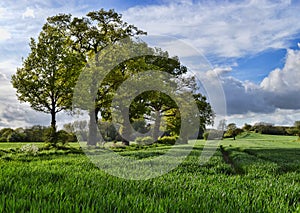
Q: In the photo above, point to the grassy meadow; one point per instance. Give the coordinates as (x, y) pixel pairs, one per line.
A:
(255, 173)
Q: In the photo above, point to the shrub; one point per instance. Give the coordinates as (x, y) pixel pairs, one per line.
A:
(144, 140)
(65, 137)
(168, 140)
(148, 140)
(205, 135)
(29, 149)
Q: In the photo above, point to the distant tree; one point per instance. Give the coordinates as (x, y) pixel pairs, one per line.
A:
(107, 130)
(5, 133)
(232, 130)
(18, 135)
(247, 127)
(49, 74)
(140, 125)
(78, 129)
(262, 127)
(37, 133)
(297, 128)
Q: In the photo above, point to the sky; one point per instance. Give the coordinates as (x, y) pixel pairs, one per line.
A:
(252, 46)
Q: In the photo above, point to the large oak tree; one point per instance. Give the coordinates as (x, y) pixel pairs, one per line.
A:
(49, 74)
(91, 35)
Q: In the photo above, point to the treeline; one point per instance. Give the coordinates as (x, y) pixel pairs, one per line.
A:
(34, 134)
(231, 130)
(270, 129)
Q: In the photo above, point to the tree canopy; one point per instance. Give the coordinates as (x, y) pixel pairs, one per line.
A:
(90, 35)
(49, 74)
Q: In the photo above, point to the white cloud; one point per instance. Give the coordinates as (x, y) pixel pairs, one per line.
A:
(9, 66)
(281, 117)
(4, 34)
(221, 28)
(225, 30)
(3, 77)
(274, 100)
(285, 80)
(29, 13)
(282, 86)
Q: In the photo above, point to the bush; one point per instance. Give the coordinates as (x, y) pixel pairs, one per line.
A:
(65, 137)
(148, 140)
(29, 149)
(205, 135)
(168, 140)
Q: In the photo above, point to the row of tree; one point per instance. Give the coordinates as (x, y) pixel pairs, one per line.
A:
(34, 134)
(68, 46)
(231, 130)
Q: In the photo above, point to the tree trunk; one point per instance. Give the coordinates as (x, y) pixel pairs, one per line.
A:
(92, 137)
(126, 131)
(155, 133)
(53, 135)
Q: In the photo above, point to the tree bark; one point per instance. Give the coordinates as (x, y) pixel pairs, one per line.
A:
(92, 137)
(53, 135)
(126, 132)
(155, 133)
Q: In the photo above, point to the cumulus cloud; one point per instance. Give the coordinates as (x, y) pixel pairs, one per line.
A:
(274, 100)
(29, 13)
(282, 85)
(287, 79)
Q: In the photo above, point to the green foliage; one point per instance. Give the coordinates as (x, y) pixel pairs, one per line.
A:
(64, 137)
(49, 74)
(148, 140)
(90, 35)
(35, 133)
(17, 135)
(5, 133)
(205, 113)
(297, 128)
(168, 140)
(247, 127)
(267, 128)
(232, 131)
(107, 131)
(205, 135)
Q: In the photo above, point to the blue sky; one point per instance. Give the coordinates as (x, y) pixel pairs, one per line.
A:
(252, 45)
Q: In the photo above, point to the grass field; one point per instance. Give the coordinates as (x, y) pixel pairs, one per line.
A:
(255, 173)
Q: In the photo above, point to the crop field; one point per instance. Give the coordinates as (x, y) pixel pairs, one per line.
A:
(255, 173)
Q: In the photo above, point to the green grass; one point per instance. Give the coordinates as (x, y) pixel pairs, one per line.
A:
(264, 177)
